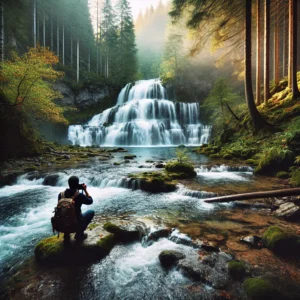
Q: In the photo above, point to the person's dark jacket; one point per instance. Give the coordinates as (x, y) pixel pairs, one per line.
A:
(79, 200)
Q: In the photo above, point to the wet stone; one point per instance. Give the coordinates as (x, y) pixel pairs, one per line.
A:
(169, 258)
(288, 211)
(253, 241)
(51, 180)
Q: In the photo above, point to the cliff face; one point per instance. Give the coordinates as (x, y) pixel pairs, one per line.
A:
(85, 97)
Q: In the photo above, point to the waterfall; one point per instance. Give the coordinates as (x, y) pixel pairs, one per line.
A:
(143, 117)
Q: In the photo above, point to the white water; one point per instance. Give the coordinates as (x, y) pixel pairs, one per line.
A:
(143, 117)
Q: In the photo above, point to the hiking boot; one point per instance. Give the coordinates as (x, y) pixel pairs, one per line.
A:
(81, 237)
(66, 237)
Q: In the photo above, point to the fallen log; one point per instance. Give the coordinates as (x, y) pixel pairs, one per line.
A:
(255, 195)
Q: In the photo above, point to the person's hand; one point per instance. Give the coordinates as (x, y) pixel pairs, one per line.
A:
(84, 187)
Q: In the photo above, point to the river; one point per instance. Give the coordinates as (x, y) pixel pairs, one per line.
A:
(27, 206)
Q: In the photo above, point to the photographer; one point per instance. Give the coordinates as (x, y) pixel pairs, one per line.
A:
(85, 218)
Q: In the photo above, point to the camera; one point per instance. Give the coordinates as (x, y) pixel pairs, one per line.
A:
(81, 186)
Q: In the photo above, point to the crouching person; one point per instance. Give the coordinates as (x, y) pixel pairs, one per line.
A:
(75, 200)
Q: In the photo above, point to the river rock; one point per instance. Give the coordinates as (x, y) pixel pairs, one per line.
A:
(51, 180)
(252, 241)
(169, 258)
(160, 166)
(160, 233)
(54, 250)
(212, 269)
(9, 179)
(288, 211)
(125, 231)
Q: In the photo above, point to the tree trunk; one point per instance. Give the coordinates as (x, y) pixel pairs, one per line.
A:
(77, 61)
(51, 37)
(267, 53)
(44, 29)
(276, 45)
(97, 39)
(89, 62)
(257, 121)
(34, 24)
(57, 37)
(293, 48)
(1, 31)
(71, 47)
(258, 53)
(255, 195)
(284, 30)
(63, 45)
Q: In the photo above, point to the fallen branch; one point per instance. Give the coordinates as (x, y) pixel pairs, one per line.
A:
(256, 195)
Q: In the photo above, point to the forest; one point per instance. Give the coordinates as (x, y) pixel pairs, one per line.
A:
(150, 149)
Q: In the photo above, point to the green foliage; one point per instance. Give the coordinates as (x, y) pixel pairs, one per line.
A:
(182, 155)
(26, 83)
(237, 269)
(295, 178)
(282, 175)
(260, 289)
(274, 160)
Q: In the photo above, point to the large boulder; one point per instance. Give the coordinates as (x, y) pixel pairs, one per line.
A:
(281, 240)
(260, 289)
(51, 179)
(181, 170)
(54, 250)
(288, 211)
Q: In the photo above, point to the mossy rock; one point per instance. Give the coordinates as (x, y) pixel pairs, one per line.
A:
(181, 146)
(274, 161)
(252, 162)
(54, 250)
(181, 168)
(215, 156)
(295, 178)
(281, 241)
(282, 175)
(129, 156)
(237, 269)
(123, 233)
(260, 289)
(117, 163)
(227, 156)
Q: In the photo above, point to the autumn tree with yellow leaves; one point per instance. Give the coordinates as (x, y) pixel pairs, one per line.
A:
(25, 83)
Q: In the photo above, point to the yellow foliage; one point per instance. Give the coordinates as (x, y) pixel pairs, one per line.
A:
(26, 83)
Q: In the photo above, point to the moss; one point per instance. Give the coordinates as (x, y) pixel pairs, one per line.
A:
(252, 161)
(117, 163)
(227, 156)
(106, 243)
(183, 168)
(49, 249)
(281, 240)
(274, 160)
(214, 156)
(282, 175)
(110, 227)
(260, 289)
(92, 226)
(237, 269)
(295, 179)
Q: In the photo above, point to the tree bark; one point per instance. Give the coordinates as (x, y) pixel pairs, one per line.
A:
(257, 121)
(34, 24)
(51, 37)
(284, 30)
(1, 31)
(267, 52)
(44, 29)
(71, 48)
(77, 61)
(97, 39)
(255, 195)
(63, 44)
(57, 37)
(293, 48)
(258, 53)
(276, 45)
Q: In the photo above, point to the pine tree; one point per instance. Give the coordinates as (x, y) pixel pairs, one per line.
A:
(126, 43)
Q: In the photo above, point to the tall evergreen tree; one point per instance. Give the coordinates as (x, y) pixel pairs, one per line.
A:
(126, 43)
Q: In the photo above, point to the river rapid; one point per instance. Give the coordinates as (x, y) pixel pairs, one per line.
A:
(129, 270)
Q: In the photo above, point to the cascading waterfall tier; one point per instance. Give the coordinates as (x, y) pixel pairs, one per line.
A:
(143, 117)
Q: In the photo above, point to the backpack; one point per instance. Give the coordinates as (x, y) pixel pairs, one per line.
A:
(65, 219)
